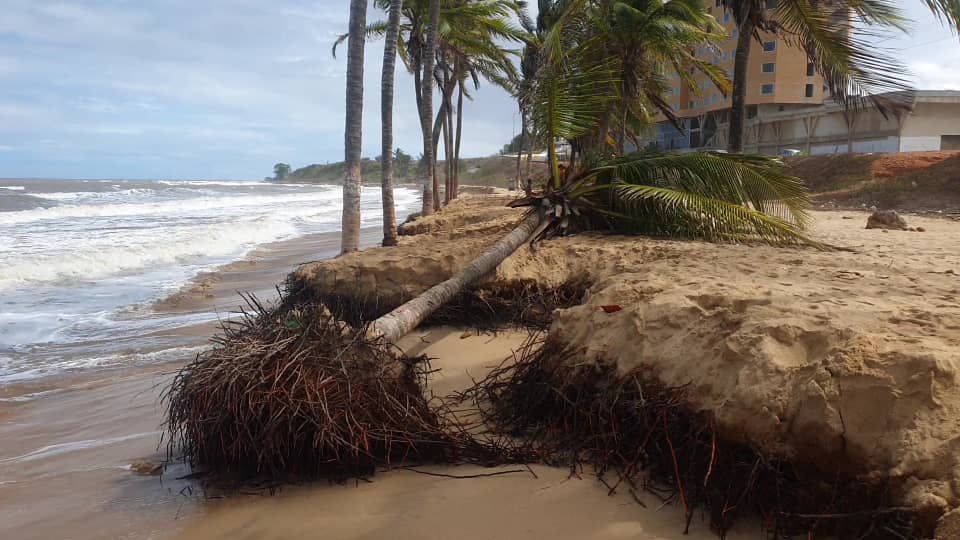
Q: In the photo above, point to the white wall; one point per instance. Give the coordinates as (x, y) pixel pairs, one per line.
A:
(919, 144)
(820, 149)
(887, 144)
(922, 129)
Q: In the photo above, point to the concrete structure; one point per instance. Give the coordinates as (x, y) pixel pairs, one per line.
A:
(789, 108)
(930, 120)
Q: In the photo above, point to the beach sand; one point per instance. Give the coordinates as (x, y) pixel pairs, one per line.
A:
(64, 462)
(67, 477)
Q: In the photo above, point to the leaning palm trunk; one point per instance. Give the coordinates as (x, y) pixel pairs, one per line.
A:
(401, 321)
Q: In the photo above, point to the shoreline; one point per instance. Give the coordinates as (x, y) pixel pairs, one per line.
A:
(258, 273)
(55, 460)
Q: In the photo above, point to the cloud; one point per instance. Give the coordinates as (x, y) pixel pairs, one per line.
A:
(5, 148)
(221, 88)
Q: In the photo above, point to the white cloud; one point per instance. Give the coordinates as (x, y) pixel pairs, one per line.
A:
(5, 148)
(937, 75)
(234, 85)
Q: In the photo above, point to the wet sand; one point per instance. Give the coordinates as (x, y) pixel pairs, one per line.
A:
(66, 442)
(66, 476)
(258, 273)
(65, 458)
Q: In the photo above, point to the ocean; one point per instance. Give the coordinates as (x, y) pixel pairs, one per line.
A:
(83, 261)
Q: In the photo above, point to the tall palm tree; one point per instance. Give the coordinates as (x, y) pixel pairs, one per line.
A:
(640, 37)
(353, 133)
(431, 196)
(470, 43)
(852, 69)
(386, 118)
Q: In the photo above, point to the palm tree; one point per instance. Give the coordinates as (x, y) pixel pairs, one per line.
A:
(431, 196)
(719, 197)
(851, 68)
(469, 46)
(641, 37)
(386, 117)
(353, 133)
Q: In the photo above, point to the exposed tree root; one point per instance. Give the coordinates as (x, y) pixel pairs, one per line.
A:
(639, 434)
(291, 393)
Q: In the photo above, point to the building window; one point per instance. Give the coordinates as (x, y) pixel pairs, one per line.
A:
(690, 105)
(808, 91)
(771, 4)
(769, 46)
(766, 89)
(768, 67)
(811, 70)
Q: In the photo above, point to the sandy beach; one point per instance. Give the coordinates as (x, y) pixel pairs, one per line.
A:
(60, 474)
(69, 477)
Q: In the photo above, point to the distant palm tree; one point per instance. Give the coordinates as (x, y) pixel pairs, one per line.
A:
(851, 67)
(386, 116)
(469, 45)
(719, 197)
(353, 132)
(431, 195)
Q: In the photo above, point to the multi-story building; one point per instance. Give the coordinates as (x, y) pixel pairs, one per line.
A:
(779, 78)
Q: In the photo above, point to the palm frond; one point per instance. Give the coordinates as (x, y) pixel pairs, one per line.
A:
(671, 212)
(718, 197)
(743, 179)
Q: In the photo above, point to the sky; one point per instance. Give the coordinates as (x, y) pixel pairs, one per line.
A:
(226, 88)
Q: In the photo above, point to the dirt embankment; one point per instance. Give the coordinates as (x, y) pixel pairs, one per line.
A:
(844, 360)
(907, 181)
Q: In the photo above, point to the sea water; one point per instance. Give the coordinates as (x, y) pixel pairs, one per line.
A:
(82, 260)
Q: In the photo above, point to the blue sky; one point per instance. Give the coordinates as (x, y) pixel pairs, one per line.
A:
(226, 88)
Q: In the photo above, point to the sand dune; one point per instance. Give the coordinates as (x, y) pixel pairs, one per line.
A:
(842, 359)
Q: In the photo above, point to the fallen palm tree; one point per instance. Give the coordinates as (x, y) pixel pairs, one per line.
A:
(292, 390)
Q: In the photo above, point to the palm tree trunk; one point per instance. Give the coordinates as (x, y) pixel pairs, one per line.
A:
(405, 318)
(386, 118)
(523, 140)
(426, 112)
(738, 110)
(450, 159)
(448, 196)
(447, 136)
(456, 144)
(447, 154)
(353, 133)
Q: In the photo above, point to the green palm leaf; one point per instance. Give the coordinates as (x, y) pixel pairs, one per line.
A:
(671, 212)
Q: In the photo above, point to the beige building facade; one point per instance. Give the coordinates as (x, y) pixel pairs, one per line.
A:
(790, 110)
(778, 73)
